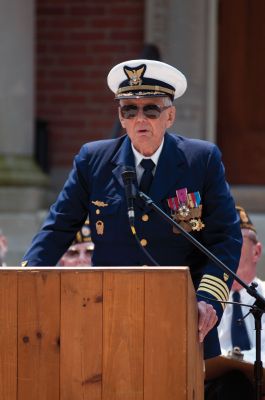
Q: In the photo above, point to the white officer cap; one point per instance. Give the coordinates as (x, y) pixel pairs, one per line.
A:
(146, 78)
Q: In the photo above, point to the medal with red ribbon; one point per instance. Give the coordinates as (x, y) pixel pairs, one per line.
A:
(186, 209)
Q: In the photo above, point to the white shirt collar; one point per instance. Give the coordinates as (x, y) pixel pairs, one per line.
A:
(138, 157)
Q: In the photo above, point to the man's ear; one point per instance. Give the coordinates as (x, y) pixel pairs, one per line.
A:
(171, 116)
(258, 251)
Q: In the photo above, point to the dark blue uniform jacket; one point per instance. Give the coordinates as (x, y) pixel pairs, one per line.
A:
(95, 187)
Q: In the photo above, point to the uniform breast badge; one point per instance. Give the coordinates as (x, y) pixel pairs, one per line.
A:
(186, 210)
(100, 227)
(99, 203)
(99, 224)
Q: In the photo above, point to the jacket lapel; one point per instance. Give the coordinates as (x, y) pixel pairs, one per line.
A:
(123, 157)
(169, 171)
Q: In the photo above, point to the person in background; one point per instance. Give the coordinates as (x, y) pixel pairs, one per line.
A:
(184, 177)
(3, 248)
(247, 271)
(235, 338)
(80, 251)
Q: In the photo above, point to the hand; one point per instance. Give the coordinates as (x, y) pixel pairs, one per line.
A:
(207, 319)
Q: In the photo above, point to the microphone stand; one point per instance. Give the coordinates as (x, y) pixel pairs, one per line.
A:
(258, 307)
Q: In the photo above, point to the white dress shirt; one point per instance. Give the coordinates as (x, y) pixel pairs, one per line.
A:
(138, 157)
(224, 328)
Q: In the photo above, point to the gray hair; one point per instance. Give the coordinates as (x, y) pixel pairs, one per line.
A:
(167, 101)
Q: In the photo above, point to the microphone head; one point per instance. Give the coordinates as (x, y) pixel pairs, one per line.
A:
(128, 174)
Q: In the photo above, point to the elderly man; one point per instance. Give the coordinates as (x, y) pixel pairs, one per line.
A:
(231, 333)
(184, 177)
(238, 339)
(80, 252)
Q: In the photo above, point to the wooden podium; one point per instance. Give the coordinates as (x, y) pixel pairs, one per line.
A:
(99, 334)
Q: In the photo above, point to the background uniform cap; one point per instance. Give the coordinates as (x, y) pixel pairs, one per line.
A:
(245, 221)
(146, 78)
(84, 236)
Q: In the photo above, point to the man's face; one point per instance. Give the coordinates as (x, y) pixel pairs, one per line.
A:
(77, 255)
(145, 133)
(250, 255)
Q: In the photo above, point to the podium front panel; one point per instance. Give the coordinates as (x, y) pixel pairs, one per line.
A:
(99, 334)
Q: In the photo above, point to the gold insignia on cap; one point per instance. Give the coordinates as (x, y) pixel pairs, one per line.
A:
(214, 286)
(245, 221)
(100, 227)
(226, 277)
(243, 216)
(99, 203)
(135, 74)
(78, 237)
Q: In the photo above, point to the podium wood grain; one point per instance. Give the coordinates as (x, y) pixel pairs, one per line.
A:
(8, 336)
(38, 320)
(81, 336)
(99, 334)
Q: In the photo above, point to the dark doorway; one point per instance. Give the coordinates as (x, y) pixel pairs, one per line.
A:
(241, 90)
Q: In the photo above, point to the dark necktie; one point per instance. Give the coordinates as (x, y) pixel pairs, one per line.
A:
(147, 177)
(239, 333)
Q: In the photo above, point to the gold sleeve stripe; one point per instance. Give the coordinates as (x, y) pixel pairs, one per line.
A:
(217, 280)
(218, 294)
(216, 285)
(214, 295)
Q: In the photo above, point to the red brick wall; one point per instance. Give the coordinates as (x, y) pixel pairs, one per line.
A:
(77, 42)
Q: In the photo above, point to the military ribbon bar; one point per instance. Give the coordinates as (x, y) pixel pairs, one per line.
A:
(182, 195)
(194, 199)
(173, 203)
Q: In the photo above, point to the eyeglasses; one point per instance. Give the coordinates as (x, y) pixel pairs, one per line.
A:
(151, 111)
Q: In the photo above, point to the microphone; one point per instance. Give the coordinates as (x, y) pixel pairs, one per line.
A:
(129, 177)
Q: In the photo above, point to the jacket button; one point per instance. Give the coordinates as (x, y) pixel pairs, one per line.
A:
(143, 242)
(145, 217)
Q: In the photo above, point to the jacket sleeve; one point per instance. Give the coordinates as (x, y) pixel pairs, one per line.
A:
(222, 235)
(65, 218)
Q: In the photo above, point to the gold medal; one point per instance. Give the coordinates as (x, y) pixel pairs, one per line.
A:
(184, 211)
(196, 224)
(100, 227)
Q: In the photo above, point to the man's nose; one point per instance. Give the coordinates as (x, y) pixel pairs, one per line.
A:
(140, 114)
